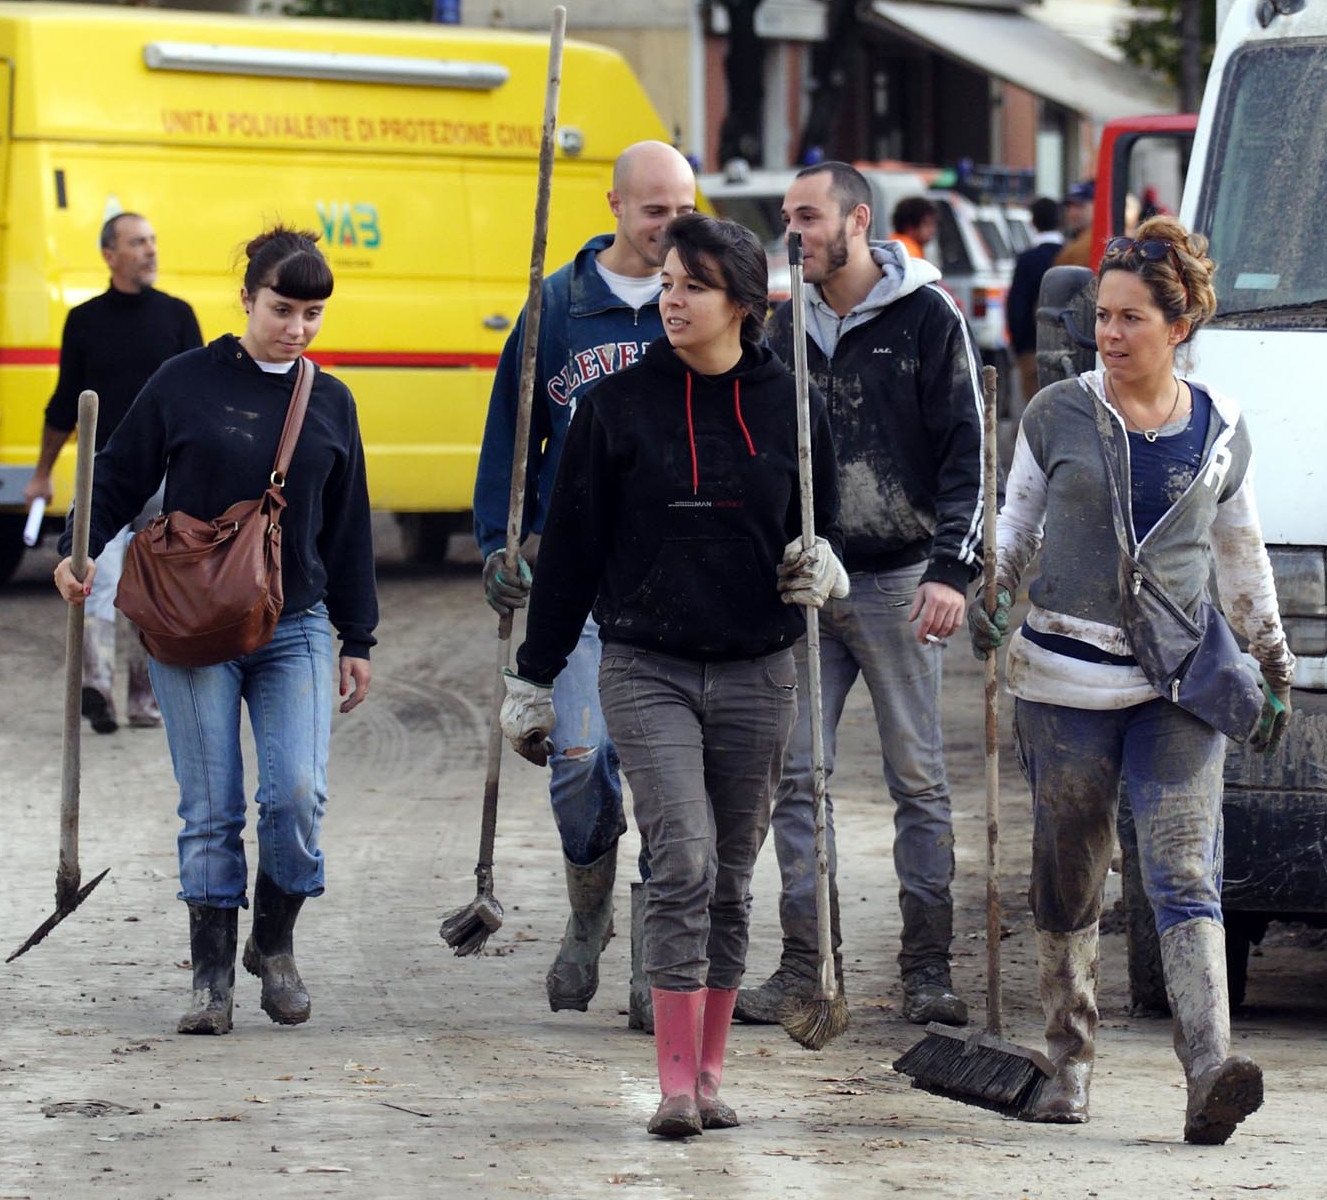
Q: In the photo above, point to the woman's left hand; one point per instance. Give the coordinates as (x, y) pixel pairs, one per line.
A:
(355, 676)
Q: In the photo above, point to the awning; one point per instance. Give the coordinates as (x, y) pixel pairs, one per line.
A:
(1031, 55)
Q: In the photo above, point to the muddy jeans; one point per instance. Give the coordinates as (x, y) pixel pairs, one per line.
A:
(1074, 760)
(868, 634)
(702, 746)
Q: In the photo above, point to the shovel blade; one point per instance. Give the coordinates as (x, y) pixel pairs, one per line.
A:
(58, 915)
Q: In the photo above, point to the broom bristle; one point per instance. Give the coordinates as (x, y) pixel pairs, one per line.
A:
(816, 1023)
(978, 1069)
(467, 929)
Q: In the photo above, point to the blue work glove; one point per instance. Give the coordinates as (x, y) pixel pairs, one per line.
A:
(810, 577)
(527, 717)
(986, 631)
(1271, 725)
(504, 594)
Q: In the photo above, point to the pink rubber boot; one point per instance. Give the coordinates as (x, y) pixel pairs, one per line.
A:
(677, 1024)
(714, 1113)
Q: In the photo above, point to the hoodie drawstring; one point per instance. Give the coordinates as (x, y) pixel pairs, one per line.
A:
(691, 431)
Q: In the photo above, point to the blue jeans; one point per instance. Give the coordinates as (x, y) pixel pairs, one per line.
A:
(1074, 760)
(702, 744)
(287, 686)
(868, 634)
(584, 789)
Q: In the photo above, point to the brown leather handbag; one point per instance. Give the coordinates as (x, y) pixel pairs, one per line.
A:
(205, 592)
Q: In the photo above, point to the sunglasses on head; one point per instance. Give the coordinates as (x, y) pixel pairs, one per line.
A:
(1150, 250)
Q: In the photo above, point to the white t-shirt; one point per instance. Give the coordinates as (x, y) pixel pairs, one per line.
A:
(636, 290)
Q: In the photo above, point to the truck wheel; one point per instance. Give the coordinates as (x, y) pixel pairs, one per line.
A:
(11, 545)
(1147, 983)
(1238, 944)
(424, 536)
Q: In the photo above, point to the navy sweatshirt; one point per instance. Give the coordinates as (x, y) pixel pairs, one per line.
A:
(674, 500)
(210, 420)
(112, 344)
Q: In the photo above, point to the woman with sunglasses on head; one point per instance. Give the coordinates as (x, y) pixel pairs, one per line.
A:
(1086, 716)
(676, 515)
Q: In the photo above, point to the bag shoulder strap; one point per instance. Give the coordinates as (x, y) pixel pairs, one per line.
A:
(299, 405)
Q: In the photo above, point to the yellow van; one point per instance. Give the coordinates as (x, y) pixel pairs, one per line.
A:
(413, 149)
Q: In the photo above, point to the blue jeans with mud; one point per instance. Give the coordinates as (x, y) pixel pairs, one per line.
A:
(287, 687)
(1074, 760)
(584, 788)
(702, 745)
(868, 635)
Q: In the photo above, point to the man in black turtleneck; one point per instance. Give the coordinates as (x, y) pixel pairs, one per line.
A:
(112, 344)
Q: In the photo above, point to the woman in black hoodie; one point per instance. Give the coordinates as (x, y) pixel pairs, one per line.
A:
(676, 515)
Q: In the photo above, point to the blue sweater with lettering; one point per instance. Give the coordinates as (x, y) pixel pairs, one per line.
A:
(586, 332)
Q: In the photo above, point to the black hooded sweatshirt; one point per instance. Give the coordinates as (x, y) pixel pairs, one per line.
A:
(674, 500)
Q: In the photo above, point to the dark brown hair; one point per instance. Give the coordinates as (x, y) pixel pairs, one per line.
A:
(1180, 282)
(288, 261)
(728, 257)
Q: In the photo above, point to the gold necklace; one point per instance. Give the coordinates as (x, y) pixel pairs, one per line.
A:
(1150, 434)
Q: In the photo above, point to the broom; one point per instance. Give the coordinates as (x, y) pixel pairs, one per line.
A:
(982, 1068)
(825, 1016)
(468, 928)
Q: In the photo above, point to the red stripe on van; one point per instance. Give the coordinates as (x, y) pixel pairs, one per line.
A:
(40, 356)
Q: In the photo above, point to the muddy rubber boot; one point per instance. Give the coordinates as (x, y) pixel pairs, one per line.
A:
(678, 1018)
(717, 1020)
(573, 978)
(213, 933)
(98, 704)
(143, 710)
(928, 990)
(1223, 1088)
(270, 953)
(788, 987)
(1067, 983)
(640, 1006)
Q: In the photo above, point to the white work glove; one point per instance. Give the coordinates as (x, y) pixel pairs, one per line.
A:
(810, 577)
(527, 717)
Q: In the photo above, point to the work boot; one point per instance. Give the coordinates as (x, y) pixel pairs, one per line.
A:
(928, 991)
(787, 988)
(718, 1019)
(640, 1006)
(1223, 1088)
(1067, 983)
(213, 933)
(143, 710)
(573, 978)
(270, 953)
(98, 704)
(678, 1018)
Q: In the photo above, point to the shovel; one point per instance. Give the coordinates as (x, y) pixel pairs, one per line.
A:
(68, 892)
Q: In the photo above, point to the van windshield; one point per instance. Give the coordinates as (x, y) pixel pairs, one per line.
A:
(1262, 208)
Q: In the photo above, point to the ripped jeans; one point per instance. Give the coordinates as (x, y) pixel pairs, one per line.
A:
(1074, 760)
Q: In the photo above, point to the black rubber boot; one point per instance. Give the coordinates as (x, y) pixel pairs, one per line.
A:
(270, 953)
(640, 1005)
(928, 992)
(573, 978)
(213, 933)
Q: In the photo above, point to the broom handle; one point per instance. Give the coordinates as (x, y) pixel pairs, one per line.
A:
(989, 590)
(828, 980)
(521, 447)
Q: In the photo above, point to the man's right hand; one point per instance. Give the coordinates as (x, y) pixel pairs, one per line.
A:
(527, 717)
(38, 488)
(987, 630)
(504, 594)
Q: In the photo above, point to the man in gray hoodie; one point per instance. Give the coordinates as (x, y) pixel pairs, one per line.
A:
(891, 353)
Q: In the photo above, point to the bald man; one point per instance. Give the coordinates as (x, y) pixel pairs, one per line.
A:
(599, 313)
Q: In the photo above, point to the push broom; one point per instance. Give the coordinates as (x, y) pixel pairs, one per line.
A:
(825, 1016)
(468, 928)
(982, 1068)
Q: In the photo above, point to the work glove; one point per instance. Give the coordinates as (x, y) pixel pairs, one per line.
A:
(504, 594)
(986, 631)
(527, 717)
(1271, 725)
(810, 577)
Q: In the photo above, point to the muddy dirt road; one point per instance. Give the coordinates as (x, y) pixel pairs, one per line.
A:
(425, 1075)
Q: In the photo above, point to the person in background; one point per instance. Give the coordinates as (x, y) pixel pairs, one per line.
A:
(890, 352)
(111, 344)
(599, 313)
(1029, 268)
(915, 221)
(1086, 717)
(677, 516)
(183, 426)
(1078, 209)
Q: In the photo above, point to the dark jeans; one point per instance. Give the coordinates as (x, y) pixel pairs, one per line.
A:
(702, 746)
